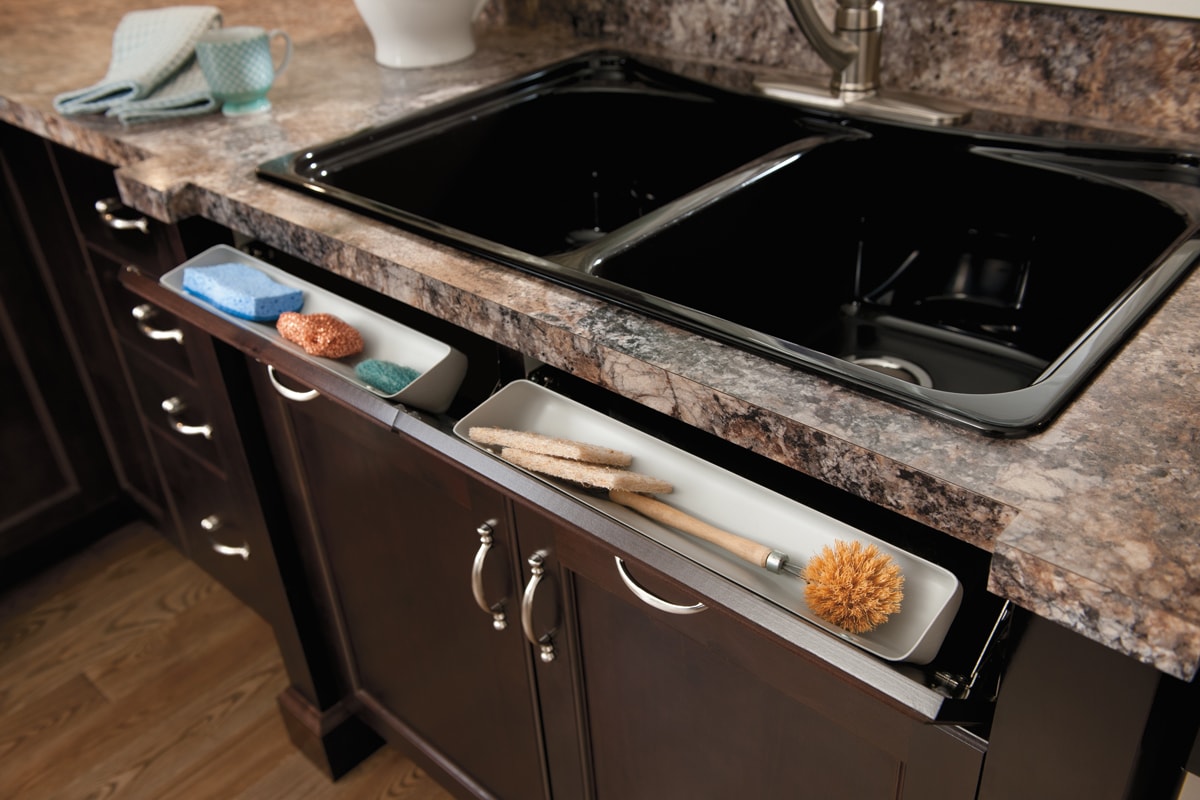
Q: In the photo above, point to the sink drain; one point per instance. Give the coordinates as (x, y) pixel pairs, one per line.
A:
(892, 366)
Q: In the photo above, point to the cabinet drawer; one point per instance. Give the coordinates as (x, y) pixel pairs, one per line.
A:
(126, 234)
(177, 407)
(140, 325)
(222, 531)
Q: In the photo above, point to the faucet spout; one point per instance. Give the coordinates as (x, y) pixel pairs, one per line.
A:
(833, 49)
(852, 48)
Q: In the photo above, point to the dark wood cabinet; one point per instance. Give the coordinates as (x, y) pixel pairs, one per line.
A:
(112, 403)
(226, 503)
(95, 238)
(161, 395)
(585, 691)
(682, 700)
(378, 519)
(80, 238)
(399, 532)
(213, 494)
(55, 474)
(546, 677)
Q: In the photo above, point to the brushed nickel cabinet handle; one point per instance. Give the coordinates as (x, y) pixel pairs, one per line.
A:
(545, 641)
(211, 524)
(654, 601)
(496, 610)
(107, 209)
(291, 394)
(143, 314)
(174, 406)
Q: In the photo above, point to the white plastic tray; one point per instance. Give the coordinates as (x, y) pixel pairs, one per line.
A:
(442, 367)
(931, 593)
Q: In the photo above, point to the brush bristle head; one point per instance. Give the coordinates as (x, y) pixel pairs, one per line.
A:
(853, 585)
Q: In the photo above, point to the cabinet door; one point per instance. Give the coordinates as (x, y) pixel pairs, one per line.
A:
(54, 467)
(400, 530)
(687, 702)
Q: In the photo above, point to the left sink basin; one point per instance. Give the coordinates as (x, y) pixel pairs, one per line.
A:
(549, 162)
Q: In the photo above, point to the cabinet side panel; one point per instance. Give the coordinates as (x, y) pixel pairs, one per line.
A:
(1069, 719)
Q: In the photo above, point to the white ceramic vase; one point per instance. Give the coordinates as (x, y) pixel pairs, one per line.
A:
(420, 33)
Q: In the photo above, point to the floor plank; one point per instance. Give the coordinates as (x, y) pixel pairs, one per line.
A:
(126, 672)
(76, 624)
(25, 731)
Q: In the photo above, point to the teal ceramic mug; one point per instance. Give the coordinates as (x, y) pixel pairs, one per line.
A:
(238, 66)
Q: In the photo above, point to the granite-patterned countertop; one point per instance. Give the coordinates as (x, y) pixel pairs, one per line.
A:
(1093, 523)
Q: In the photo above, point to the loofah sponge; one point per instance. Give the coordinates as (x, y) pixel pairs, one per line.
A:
(385, 376)
(241, 290)
(550, 446)
(320, 334)
(594, 475)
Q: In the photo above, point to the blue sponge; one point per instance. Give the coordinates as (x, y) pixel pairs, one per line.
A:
(241, 290)
(385, 376)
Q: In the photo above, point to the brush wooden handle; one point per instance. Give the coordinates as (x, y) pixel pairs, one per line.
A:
(659, 511)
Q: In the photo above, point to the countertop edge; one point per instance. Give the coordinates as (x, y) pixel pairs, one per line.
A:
(1152, 636)
(98, 141)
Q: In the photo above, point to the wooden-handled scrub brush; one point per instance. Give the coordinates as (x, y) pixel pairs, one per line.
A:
(852, 585)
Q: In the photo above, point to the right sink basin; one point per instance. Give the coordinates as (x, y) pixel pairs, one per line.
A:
(979, 278)
(957, 266)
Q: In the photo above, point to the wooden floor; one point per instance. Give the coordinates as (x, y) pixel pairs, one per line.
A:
(126, 672)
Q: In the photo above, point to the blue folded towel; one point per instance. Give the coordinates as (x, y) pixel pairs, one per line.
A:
(184, 94)
(153, 72)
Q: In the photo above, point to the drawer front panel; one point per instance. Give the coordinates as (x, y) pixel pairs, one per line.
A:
(140, 325)
(222, 532)
(126, 234)
(178, 408)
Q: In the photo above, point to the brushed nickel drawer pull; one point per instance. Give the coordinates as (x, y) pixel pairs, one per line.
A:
(652, 600)
(544, 643)
(291, 394)
(496, 610)
(107, 209)
(143, 314)
(174, 406)
(211, 524)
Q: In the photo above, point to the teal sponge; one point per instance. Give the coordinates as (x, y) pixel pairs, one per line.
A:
(241, 290)
(385, 376)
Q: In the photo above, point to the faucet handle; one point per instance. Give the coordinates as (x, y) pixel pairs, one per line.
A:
(860, 22)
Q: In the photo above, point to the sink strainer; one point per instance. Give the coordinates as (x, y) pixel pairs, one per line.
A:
(892, 366)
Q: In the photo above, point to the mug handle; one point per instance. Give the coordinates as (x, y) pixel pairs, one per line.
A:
(478, 8)
(287, 53)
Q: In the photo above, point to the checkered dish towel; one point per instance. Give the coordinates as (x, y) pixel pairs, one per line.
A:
(153, 72)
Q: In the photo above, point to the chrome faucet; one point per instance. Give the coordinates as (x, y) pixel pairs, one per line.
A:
(853, 49)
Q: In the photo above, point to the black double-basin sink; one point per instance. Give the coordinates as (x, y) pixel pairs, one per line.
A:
(979, 278)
